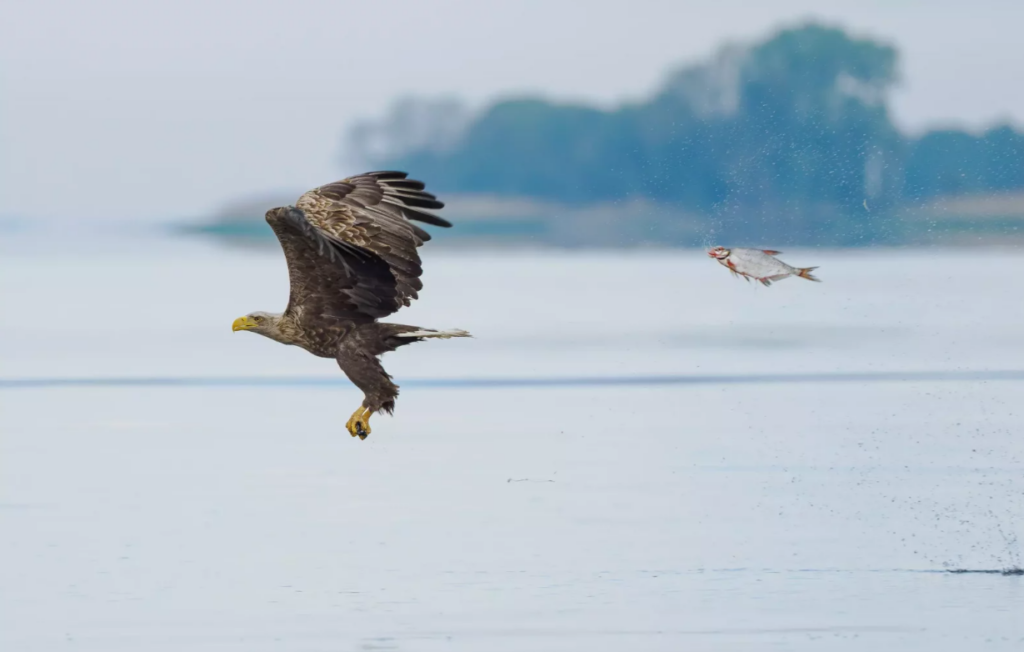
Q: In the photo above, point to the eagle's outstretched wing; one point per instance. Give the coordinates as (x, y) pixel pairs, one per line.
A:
(350, 246)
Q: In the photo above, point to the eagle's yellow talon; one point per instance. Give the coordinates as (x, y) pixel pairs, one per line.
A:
(359, 423)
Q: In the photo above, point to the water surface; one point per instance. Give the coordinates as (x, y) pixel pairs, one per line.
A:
(636, 452)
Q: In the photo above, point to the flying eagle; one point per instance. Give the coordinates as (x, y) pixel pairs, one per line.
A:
(351, 253)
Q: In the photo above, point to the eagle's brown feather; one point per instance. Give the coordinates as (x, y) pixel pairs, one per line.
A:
(351, 249)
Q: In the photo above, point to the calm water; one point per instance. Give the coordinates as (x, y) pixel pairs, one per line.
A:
(817, 504)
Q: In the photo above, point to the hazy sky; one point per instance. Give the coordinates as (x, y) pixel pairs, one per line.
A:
(125, 108)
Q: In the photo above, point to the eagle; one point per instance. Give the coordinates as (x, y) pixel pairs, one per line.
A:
(351, 249)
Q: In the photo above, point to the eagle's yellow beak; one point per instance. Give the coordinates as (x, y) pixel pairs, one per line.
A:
(243, 324)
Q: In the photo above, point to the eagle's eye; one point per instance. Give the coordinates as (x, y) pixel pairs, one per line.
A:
(257, 319)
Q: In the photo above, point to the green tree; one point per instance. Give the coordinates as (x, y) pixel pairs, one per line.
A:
(951, 162)
(791, 135)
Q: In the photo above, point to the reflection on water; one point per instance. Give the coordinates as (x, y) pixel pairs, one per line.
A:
(635, 451)
(498, 383)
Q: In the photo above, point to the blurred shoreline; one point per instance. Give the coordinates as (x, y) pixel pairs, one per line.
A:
(491, 221)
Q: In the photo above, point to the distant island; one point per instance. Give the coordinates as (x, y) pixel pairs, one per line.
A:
(787, 141)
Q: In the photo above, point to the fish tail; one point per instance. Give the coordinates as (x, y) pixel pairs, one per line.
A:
(805, 272)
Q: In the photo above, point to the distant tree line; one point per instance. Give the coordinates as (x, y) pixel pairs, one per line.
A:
(795, 130)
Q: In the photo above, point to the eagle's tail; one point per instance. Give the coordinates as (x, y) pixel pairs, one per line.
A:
(424, 333)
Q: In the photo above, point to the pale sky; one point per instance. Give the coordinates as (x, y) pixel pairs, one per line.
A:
(162, 109)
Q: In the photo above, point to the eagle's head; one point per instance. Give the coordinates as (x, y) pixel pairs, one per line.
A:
(264, 323)
(721, 253)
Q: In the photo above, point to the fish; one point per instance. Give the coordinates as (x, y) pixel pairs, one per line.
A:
(759, 264)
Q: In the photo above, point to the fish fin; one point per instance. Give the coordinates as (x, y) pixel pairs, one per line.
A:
(805, 272)
(766, 281)
(778, 277)
(771, 252)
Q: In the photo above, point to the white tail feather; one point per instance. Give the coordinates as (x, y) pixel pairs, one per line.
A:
(444, 335)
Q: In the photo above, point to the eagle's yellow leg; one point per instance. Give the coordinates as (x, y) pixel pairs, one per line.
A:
(359, 423)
